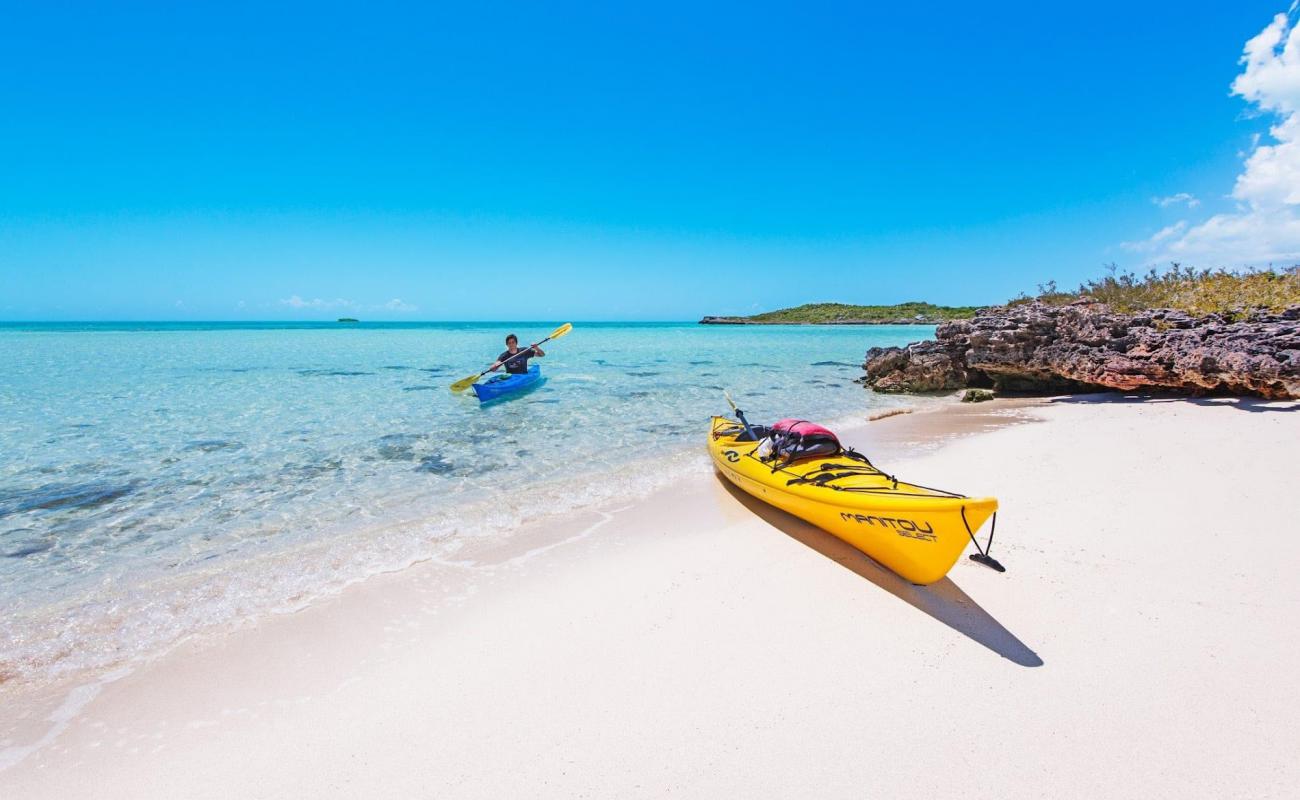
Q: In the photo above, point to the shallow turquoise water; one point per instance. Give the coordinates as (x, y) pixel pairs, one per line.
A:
(160, 478)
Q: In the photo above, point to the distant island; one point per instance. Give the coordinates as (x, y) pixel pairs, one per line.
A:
(845, 314)
(347, 319)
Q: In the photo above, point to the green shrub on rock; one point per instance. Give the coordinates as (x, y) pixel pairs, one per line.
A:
(1200, 292)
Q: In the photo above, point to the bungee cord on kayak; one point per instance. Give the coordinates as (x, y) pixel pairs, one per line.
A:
(916, 531)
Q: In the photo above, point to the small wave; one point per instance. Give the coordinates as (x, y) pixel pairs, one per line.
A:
(339, 372)
(212, 445)
(228, 369)
(22, 542)
(834, 364)
(311, 469)
(644, 374)
(420, 388)
(672, 429)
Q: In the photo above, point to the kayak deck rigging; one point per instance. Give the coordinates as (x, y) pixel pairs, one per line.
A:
(917, 531)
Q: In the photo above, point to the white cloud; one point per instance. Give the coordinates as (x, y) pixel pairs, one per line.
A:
(297, 302)
(1164, 234)
(1177, 199)
(1265, 225)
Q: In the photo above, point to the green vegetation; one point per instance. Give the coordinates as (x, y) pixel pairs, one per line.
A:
(1233, 294)
(844, 314)
(1194, 291)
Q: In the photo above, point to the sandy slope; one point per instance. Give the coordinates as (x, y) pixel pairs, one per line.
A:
(700, 644)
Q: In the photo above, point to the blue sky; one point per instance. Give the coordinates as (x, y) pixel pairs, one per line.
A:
(599, 162)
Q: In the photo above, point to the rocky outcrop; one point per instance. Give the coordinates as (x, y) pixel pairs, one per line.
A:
(1084, 346)
(919, 367)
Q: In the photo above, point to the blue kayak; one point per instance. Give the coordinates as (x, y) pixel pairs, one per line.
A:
(500, 386)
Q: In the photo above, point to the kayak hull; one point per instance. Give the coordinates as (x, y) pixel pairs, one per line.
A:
(916, 532)
(501, 387)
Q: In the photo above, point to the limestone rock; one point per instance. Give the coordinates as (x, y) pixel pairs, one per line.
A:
(1084, 346)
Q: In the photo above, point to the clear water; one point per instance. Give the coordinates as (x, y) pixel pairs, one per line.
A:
(157, 479)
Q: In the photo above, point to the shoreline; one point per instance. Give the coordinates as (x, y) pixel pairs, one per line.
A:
(616, 653)
(222, 470)
(685, 464)
(394, 545)
(928, 425)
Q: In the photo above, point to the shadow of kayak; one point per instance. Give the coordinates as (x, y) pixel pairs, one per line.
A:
(943, 600)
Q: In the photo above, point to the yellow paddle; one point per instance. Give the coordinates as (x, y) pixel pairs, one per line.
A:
(464, 383)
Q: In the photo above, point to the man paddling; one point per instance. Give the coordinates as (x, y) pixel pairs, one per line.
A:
(514, 359)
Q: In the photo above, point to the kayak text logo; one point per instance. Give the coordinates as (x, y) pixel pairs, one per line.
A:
(731, 455)
(904, 527)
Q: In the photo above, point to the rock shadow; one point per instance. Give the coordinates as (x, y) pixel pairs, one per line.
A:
(1255, 405)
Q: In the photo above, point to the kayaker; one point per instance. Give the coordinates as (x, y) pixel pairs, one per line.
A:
(514, 359)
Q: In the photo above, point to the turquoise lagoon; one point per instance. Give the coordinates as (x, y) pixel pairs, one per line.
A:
(157, 479)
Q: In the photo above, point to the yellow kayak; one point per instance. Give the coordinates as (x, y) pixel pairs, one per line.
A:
(913, 530)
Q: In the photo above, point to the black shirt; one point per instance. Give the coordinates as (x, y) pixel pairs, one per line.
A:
(518, 364)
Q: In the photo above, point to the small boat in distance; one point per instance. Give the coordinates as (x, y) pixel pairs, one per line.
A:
(348, 319)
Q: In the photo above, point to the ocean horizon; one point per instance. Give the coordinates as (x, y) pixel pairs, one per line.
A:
(90, 325)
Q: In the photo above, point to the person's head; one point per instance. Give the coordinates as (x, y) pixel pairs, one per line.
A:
(512, 342)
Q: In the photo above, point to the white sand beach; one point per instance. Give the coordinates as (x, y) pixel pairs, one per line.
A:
(701, 644)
